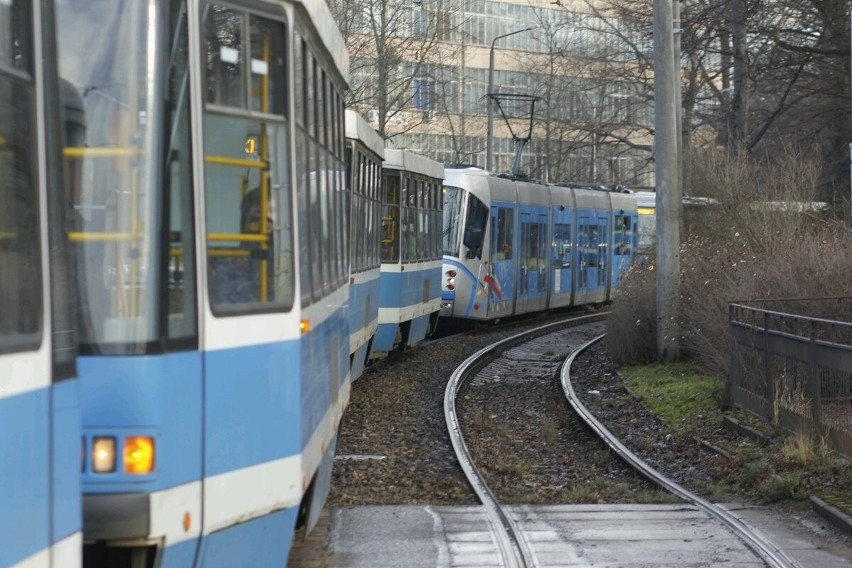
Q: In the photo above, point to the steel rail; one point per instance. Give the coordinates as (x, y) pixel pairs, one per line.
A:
(513, 548)
(761, 546)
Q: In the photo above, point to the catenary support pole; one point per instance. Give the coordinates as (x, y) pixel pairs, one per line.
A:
(668, 193)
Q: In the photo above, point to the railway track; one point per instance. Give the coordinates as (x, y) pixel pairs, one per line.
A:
(511, 357)
(399, 497)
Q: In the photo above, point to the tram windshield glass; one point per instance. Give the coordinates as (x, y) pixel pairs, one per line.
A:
(452, 220)
(125, 90)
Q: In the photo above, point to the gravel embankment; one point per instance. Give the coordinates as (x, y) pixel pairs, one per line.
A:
(394, 447)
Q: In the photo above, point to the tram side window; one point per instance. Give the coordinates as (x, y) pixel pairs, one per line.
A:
(225, 77)
(20, 275)
(421, 227)
(439, 219)
(504, 234)
(249, 222)
(268, 67)
(475, 224)
(15, 31)
(426, 221)
(374, 193)
(434, 220)
(409, 219)
(562, 245)
(325, 186)
(300, 100)
(583, 251)
(326, 205)
(593, 246)
(623, 235)
(601, 235)
(390, 217)
(360, 213)
(343, 196)
(534, 234)
(180, 291)
(315, 221)
(353, 181)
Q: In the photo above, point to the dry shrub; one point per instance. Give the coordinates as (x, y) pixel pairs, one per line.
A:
(631, 329)
(752, 243)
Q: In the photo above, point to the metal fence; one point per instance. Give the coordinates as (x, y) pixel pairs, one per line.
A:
(791, 364)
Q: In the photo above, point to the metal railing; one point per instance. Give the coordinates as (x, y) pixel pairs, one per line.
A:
(795, 370)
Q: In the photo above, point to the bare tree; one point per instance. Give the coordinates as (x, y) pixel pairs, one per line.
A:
(760, 74)
(395, 47)
(756, 75)
(596, 82)
(801, 83)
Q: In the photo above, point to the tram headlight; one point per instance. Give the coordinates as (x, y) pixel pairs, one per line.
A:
(451, 279)
(138, 455)
(103, 454)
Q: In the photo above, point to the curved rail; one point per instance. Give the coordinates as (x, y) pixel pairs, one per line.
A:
(764, 548)
(512, 547)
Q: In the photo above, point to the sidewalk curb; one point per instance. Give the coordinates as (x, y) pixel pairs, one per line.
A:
(831, 514)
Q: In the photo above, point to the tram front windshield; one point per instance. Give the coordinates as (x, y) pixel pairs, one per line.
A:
(452, 220)
(123, 68)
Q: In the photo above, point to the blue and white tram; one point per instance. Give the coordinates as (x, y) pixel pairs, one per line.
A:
(514, 247)
(410, 251)
(364, 155)
(40, 521)
(213, 254)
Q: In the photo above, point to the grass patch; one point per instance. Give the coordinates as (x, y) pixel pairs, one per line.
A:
(790, 469)
(683, 398)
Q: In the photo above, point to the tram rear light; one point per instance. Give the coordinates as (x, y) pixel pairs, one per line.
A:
(103, 454)
(138, 455)
(451, 273)
(451, 287)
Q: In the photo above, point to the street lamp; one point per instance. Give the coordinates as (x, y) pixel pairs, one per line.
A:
(489, 153)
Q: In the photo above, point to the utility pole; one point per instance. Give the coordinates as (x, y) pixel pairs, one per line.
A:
(677, 29)
(668, 192)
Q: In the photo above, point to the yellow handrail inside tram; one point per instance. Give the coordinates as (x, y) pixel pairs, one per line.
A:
(240, 237)
(88, 236)
(238, 162)
(102, 152)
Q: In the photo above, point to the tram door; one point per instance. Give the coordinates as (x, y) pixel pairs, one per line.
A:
(532, 277)
(591, 244)
(562, 254)
(40, 521)
(501, 278)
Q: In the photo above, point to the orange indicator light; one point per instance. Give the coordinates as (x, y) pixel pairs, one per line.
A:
(138, 455)
(305, 326)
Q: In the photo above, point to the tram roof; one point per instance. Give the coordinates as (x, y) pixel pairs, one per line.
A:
(329, 34)
(411, 162)
(357, 128)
